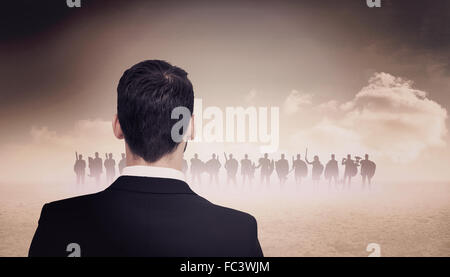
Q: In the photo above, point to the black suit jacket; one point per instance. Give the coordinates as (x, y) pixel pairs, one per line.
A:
(142, 216)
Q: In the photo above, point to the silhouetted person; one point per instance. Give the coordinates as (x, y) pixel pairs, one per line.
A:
(300, 169)
(96, 167)
(184, 167)
(122, 163)
(332, 172)
(246, 168)
(368, 168)
(110, 168)
(149, 210)
(265, 165)
(317, 168)
(282, 168)
(350, 170)
(251, 175)
(271, 169)
(231, 166)
(80, 168)
(196, 169)
(212, 167)
(91, 167)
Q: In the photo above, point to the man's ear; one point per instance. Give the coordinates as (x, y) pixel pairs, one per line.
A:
(116, 127)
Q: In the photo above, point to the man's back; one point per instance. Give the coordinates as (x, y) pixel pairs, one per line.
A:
(144, 216)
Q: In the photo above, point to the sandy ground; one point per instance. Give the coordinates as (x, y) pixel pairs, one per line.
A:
(404, 219)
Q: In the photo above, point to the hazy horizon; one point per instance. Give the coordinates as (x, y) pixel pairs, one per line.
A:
(347, 79)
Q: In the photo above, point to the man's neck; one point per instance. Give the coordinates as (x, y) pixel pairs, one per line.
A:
(163, 162)
(172, 160)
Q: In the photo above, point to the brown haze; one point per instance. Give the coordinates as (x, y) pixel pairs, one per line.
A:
(347, 79)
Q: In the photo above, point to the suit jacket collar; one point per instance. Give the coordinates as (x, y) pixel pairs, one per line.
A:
(151, 185)
(153, 171)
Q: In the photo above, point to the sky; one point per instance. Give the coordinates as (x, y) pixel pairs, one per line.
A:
(347, 78)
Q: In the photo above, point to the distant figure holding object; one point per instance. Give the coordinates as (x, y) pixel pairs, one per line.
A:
(317, 168)
(96, 167)
(196, 169)
(110, 167)
(122, 163)
(368, 168)
(332, 172)
(252, 172)
(265, 165)
(350, 170)
(300, 169)
(271, 169)
(246, 168)
(282, 168)
(212, 167)
(79, 168)
(231, 165)
(91, 167)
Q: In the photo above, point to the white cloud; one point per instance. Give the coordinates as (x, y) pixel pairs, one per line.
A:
(331, 106)
(387, 117)
(251, 96)
(84, 135)
(295, 101)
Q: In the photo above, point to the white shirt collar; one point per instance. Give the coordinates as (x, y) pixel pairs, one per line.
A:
(153, 171)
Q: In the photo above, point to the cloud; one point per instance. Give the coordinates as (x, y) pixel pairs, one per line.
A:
(84, 135)
(251, 96)
(387, 117)
(331, 106)
(296, 100)
(48, 155)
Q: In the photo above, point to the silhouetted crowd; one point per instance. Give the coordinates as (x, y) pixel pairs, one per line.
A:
(266, 167)
(96, 165)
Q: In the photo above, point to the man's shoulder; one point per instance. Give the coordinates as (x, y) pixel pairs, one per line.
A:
(229, 215)
(67, 208)
(86, 206)
(232, 212)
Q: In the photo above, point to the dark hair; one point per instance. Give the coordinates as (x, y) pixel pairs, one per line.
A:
(146, 95)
